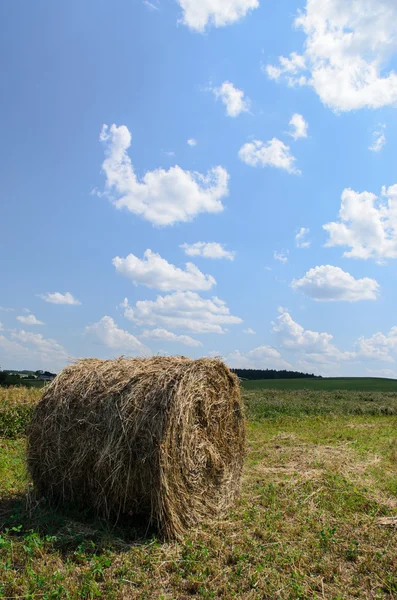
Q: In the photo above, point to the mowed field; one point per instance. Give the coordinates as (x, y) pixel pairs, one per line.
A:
(357, 384)
(316, 519)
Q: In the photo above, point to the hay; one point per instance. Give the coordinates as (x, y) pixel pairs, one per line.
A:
(162, 437)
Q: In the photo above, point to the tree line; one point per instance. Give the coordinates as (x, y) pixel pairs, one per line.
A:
(253, 374)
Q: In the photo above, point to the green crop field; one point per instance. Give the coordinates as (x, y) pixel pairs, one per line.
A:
(317, 516)
(363, 384)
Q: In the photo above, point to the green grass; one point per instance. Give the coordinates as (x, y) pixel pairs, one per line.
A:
(268, 403)
(319, 484)
(359, 384)
(16, 406)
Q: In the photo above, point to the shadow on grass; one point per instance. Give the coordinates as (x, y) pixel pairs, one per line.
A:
(71, 531)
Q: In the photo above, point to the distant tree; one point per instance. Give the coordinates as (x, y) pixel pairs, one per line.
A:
(3, 377)
(254, 374)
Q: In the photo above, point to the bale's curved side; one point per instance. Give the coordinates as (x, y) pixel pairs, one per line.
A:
(161, 436)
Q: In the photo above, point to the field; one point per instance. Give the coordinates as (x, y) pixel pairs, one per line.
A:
(357, 384)
(316, 519)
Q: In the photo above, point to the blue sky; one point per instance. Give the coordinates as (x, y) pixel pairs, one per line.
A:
(290, 112)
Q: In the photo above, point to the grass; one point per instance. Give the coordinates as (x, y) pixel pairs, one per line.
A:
(359, 384)
(314, 519)
(265, 403)
(16, 405)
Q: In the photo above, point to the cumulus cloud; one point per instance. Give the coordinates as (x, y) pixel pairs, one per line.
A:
(378, 346)
(182, 311)
(348, 46)
(378, 139)
(382, 373)
(331, 284)
(191, 142)
(232, 98)
(367, 224)
(298, 127)
(270, 154)
(249, 331)
(58, 298)
(280, 256)
(36, 347)
(300, 238)
(155, 272)
(263, 357)
(29, 320)
(107, 332)
(12, 350)
(198, 15)
(161, 197)
(208, 250)
(310, 348)
(315, 346)
(169, 336)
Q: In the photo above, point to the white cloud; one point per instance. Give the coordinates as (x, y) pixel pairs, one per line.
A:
(150, 5)
(169, 153)
(263, 357)
(161, 197)
(367, 224)
(382, 373)
(198, 15)
(25, 350)
(378, 346)
(191, 142)
(378, 139)
(280, 256)
(270, 154)
(4, 309)
(249, 331)
(29, 320)
(348, 45)
(107, 332)
(169, 336)
(315, 346)
(182, 311)
(291, 66)
(155, 272)
(232, 98)
(299, 238)
(330, 284)
(12, 351)
(214, 353)
(58, 298)
(208, 250)
(46, 350)
(299, 127)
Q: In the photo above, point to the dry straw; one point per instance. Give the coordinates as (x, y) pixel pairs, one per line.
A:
(162, 437)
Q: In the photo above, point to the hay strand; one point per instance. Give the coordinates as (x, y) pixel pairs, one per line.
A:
(161, 437)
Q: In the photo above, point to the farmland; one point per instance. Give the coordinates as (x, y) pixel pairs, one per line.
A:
(357, 384)
(315, 518)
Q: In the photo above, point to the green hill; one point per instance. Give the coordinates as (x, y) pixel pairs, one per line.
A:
(359, 384)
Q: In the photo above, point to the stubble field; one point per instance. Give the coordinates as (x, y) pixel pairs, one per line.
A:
(317, 517)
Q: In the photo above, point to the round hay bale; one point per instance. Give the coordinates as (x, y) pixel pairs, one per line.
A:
(162, 437)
